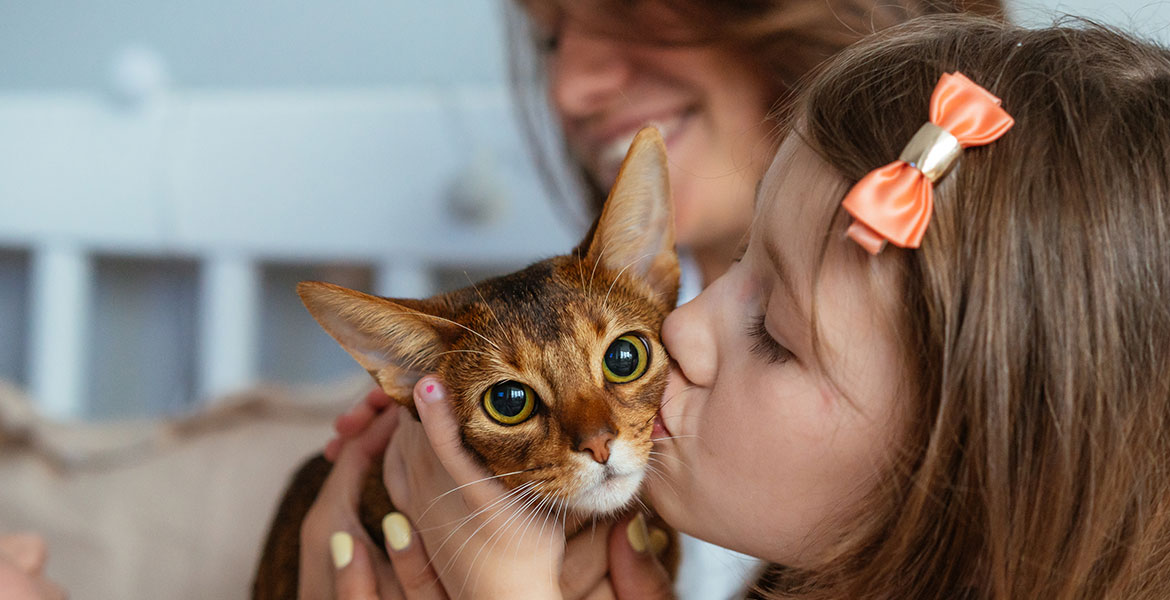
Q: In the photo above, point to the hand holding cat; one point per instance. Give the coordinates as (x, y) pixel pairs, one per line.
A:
(22, 562)
(338, 559)
(585, 573)
(356, 420)
(484, 541)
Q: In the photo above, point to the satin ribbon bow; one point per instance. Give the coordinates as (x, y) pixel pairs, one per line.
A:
(894, 203)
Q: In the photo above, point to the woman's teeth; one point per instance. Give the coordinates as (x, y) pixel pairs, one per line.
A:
(610, 156)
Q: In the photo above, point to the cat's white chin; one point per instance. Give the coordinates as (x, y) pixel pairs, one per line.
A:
(609, 495)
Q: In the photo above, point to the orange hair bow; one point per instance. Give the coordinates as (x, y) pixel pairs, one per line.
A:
(894, 203)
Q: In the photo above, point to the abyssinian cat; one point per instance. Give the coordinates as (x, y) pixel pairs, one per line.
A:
(556, 371)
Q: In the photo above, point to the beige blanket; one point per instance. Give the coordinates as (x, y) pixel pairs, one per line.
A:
(160, 509)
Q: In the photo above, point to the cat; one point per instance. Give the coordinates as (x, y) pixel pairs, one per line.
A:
(555, 372)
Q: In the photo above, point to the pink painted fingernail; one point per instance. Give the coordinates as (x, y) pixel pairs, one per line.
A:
(431, 392)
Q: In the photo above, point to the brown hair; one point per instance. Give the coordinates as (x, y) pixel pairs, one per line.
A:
(1037, 314)
(784, 39)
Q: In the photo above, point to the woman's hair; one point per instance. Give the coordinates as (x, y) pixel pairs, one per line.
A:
(782, 39)
(1036, 318)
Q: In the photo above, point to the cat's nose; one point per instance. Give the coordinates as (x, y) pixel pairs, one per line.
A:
(597, 445)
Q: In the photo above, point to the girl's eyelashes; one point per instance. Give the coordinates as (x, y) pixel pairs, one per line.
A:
(764, 345)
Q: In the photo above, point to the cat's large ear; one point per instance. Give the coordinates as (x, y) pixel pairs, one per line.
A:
(635, 233)
(396, 341)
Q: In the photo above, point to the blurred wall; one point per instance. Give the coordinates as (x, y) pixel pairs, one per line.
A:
(70, 44)
(169, 170)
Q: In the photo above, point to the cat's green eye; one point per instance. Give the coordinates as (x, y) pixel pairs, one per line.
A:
(626, 359)
(509, 402)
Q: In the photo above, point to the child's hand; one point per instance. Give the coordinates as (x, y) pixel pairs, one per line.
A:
(355, 421)
(22, 563)
(634, 569)
(482, 544)
(333, 540)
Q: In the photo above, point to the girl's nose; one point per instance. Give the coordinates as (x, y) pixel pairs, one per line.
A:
(689, 337)
(588, 71)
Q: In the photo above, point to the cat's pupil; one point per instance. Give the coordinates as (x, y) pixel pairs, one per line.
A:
(622, 357)
(508, 398)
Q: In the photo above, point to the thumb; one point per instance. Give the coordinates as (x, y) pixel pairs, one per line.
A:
(442, 429)
(634, 569)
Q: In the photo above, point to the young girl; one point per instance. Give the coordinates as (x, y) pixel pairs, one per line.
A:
(979, 410)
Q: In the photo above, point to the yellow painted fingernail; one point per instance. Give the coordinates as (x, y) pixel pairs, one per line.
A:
(397, 530)
(341, 547)
(637, 534)
(658, 541)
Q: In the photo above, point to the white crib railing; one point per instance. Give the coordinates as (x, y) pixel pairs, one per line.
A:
(235, 181)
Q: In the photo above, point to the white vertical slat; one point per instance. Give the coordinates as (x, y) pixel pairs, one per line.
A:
(61, 290)
(228, 325)
(404, 278)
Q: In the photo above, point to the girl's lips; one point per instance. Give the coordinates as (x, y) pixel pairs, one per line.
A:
(660, 432)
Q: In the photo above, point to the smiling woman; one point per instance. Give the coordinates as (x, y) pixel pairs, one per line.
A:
(707, 74)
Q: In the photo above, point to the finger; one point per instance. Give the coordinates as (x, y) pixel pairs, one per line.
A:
(412, 566)
(353, 460)
(51, 591)
(378, 399)
(332, 449)
(355, 575)
(442, 429)
(355, 420)
(603, 591)
(634, 570)
(586, 562)
(27, 551)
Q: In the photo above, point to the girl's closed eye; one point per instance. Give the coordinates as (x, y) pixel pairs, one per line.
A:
(764, 345)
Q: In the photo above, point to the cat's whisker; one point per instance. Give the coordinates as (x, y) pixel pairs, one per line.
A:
(675, 437)
(528, 489)
(663, 464)
(456, 323)
(463, 351)
(464, 521)
(547, 500)
(457, 488)
(581, 269)
(667, 399)
(459, 523)
(552, 539)
(597, 262)
(645, 509)
(485, 522)
(605, 302)
(665, 480)
(495, 538)
(680, 462)
(485, 304)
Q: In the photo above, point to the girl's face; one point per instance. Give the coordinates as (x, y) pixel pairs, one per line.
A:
(708, 104)
(768, 444)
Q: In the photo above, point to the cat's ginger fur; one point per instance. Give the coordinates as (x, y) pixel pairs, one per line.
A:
(546, 326)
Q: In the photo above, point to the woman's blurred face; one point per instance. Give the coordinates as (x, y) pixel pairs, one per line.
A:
(707, 101)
